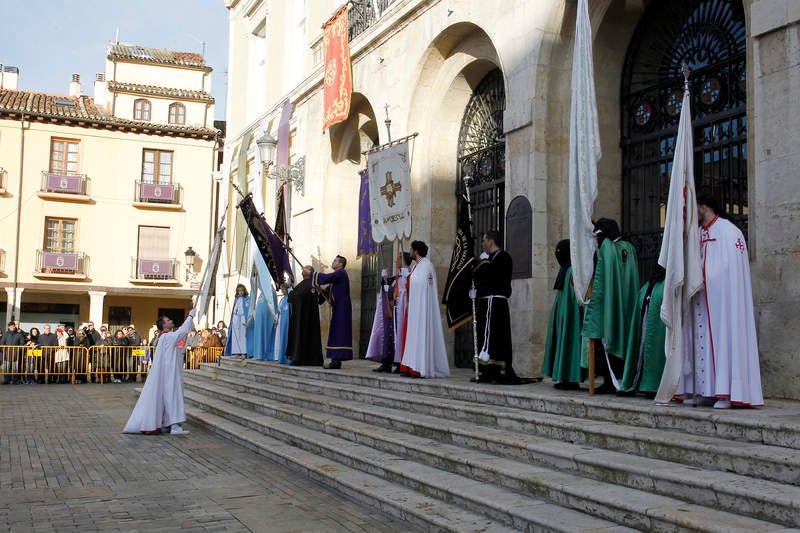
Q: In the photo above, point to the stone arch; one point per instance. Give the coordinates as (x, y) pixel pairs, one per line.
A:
(357, 133)
(341, 182)
(452, 67)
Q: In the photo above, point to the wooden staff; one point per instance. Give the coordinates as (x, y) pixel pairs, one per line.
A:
(590, 346)
(472, 294)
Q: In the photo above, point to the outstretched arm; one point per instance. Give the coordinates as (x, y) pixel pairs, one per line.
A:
(187, 326)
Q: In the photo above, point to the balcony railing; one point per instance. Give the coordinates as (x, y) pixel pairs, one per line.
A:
(61, 264)
(158, 194)
(362, 15)
(145, 269)
(75, 184)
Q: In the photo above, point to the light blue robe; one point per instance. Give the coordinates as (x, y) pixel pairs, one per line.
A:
(282, 332)
(238, 343)
(264, 330)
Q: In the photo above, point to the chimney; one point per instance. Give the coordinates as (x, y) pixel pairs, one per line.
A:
(9, 77)
(75, 85)
(100, 89)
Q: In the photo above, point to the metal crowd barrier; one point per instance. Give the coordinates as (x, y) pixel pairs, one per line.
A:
(97, 364)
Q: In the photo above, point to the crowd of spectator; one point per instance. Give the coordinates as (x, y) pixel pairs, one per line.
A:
(39, 357)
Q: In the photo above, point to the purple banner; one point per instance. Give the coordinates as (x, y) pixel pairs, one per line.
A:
(282, 155)
(57, 261)
(156, 191)
(366, 246)
(155, 267)
(64, 183)
(269, 245)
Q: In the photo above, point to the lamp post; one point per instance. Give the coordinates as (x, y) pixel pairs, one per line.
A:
(285, 174)
(189, 256)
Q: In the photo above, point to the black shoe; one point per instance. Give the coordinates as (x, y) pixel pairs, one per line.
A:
(626, 393)
(334, 365)
(396, 369)
(382, 368)
(566, 385)
(606, 388)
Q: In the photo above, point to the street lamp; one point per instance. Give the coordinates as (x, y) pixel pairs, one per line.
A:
(189, 256)
(294, 173)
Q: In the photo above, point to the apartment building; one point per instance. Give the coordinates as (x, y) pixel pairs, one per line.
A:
(107, 200)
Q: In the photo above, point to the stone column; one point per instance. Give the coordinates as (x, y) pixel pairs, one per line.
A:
(96, 308)
(13, 304)
(774, 87)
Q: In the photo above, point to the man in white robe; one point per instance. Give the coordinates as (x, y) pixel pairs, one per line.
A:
(424, 353)
(726, 363)
(160, 404)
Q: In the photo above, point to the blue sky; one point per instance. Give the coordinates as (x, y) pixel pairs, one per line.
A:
(49, 40)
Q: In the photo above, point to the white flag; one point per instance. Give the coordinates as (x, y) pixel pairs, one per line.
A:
(210, 272)
(390, 193)
(680, 256)
(584, 152)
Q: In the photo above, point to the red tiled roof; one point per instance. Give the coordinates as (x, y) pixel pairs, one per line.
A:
(131, 52)
(154, 90)
(82, 111)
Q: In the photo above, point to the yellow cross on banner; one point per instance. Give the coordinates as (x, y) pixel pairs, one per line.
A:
(390, 189)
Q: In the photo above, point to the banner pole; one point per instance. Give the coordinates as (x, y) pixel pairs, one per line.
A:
(472, 293)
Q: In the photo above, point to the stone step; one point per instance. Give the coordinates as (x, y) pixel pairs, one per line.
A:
(773, 463)
(777, 424)
(632, 507)
(750, 496)
(331, 456)
(428, 513)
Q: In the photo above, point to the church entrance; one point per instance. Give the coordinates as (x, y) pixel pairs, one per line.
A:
(709, 36)
(482, 155)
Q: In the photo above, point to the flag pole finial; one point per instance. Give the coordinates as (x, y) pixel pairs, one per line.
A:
(686, 72)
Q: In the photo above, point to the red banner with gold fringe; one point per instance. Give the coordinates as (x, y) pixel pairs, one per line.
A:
(338, 76)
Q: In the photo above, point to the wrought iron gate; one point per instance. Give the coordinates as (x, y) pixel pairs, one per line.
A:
(370, 281)
(710, 36)
(482, 155)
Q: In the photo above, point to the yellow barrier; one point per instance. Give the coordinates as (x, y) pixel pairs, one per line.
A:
(196, 356)
(46, 364)
(97, 364)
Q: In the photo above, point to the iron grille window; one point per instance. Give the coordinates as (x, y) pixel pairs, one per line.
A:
(482, 155)
(710, 36)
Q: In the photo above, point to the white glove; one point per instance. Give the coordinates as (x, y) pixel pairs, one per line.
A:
(484, 255)
(384, 273)
(404, 271)
(385, 288)
(472, 294)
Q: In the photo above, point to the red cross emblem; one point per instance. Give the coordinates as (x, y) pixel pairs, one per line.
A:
(739, 244)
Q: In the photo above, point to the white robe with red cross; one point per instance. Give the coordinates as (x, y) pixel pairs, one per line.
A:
(725, 344)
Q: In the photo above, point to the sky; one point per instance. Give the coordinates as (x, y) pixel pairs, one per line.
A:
(49, 40)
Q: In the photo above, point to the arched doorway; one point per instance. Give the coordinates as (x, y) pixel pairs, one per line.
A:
(482, 155)
(710, 36)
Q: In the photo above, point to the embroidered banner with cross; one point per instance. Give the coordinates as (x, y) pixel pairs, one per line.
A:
(390, 192)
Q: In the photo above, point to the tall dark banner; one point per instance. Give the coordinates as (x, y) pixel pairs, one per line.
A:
(459, 275)
(269, 245)
(280, 216)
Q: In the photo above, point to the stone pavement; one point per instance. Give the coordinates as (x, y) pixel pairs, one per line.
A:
(65, 465)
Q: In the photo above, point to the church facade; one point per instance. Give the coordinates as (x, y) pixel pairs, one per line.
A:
(487, 89)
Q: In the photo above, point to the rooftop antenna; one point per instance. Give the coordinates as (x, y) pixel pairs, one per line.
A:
(199, 41)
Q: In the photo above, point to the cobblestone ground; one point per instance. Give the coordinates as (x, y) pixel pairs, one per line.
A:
(65, 465)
